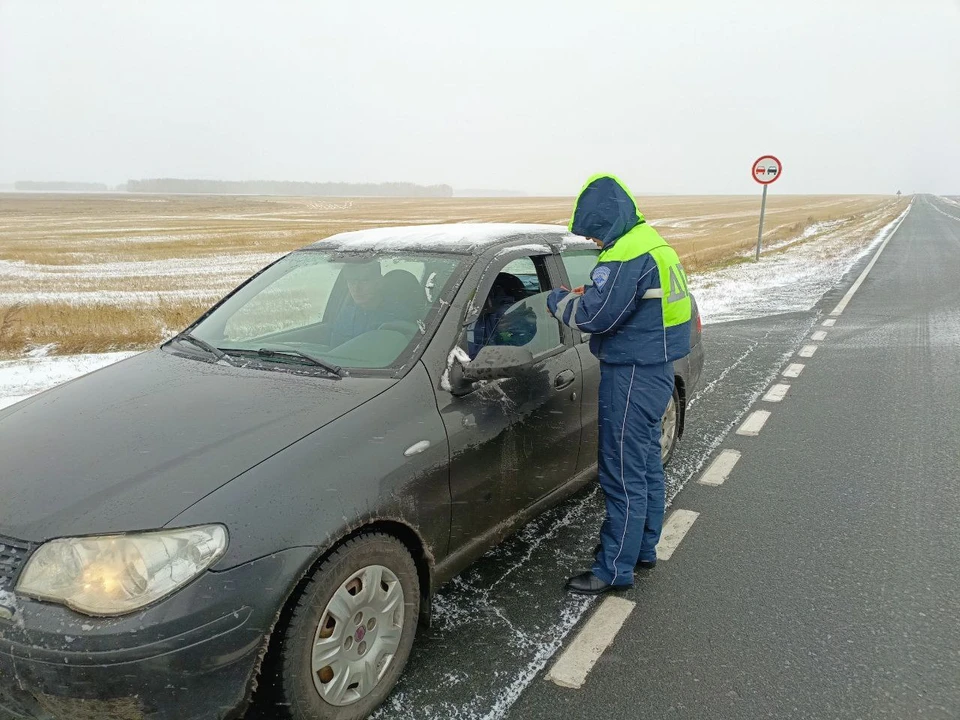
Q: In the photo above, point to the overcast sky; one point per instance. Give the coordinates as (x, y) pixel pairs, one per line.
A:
(675, 97)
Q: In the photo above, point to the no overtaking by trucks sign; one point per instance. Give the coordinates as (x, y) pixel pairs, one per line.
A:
(766, 170)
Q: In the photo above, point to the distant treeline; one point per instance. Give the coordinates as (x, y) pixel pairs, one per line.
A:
(31, 186)
(276, 187)
(488, 193)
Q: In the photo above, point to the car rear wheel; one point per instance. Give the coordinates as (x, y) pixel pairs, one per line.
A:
(351, 632)
(670, 428)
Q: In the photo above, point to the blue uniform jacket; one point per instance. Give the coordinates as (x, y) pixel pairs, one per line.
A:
(625, 328)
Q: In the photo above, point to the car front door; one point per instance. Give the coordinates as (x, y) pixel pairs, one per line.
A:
(578, 264)
(514, 440)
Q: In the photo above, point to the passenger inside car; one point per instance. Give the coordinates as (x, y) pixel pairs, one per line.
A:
(394, 301)
(497, 325)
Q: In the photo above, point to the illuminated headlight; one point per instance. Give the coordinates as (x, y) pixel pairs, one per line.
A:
(117, 574)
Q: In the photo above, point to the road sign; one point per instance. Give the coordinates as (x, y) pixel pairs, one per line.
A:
(766, 170)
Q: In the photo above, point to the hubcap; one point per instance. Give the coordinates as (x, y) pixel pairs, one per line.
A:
(358, 636)
(668, 428)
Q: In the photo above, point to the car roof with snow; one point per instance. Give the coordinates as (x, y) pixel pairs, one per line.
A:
(466, 238)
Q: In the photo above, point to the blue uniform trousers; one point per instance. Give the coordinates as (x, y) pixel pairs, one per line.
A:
(633, 399)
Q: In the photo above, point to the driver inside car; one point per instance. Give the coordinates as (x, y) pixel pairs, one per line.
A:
(497, 326)
(366, 306)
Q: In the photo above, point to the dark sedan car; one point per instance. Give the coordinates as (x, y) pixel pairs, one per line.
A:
(272, 496)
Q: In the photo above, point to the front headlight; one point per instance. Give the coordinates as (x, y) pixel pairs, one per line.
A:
(117, 574)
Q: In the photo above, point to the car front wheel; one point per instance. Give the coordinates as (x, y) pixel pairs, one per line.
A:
(351, 632)
(670, 428)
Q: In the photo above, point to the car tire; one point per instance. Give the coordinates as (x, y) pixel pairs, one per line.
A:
(670, 428)
(368, 662)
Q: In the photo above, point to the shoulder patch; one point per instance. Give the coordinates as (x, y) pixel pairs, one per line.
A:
(600, 276)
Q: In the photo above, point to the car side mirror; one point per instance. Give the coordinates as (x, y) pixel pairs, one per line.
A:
(497, 361)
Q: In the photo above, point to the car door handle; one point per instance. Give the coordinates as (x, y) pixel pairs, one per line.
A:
(564, 379)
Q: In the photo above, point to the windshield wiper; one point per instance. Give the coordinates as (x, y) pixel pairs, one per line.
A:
(293, 352)
(202, 344)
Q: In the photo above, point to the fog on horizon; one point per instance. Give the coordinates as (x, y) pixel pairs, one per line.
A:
(852, 96)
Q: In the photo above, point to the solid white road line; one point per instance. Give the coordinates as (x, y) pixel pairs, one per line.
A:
(829, 322)
(793, 370)
(819, 335)
(571, 668)
(674, 529)
(754, 423)
(842, 305)
(807, 351)
(720, 468)
(776, 393)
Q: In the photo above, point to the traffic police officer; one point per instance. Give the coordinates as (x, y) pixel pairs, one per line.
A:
(637, 311)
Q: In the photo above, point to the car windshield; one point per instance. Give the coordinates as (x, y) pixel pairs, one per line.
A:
(346, 310)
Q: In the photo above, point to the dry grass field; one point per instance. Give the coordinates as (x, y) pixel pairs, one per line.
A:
(90, 273)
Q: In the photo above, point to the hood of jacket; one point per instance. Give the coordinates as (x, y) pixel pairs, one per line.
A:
(605, 210)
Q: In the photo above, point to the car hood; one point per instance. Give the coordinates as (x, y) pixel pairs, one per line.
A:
(131, 446)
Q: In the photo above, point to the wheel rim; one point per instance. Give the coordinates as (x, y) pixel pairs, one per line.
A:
(668, 429)
(358, 636)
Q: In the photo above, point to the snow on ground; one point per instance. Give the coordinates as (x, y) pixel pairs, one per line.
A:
(231, 264)
(19, 379)
(782, 282)
(207, 278)
(787, 281)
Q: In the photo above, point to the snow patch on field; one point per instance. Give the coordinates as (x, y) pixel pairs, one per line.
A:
(206, 278)
(790, 281)
(19, 379)
(230, 264)
(782, 282)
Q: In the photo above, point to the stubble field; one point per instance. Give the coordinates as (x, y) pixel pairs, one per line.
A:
(93, 273)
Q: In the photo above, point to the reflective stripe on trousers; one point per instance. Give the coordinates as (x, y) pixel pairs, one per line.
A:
(632, 401)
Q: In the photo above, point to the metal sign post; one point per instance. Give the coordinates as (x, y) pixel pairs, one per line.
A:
(766, 170)
(763, 209)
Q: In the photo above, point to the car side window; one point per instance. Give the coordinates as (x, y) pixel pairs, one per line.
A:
(514, 311)
(579, 264)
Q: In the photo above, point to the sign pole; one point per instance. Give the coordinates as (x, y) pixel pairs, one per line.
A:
(766, 170)
(763, 209)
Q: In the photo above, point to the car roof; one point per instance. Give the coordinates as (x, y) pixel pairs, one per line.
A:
(463, 238)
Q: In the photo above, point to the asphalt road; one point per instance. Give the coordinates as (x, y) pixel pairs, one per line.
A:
(820, 581)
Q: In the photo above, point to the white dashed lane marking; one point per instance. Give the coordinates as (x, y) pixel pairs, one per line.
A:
(674, 529)
(754, 423)
(793, 370)
(776, 393)
(572, 667)
(720, 468)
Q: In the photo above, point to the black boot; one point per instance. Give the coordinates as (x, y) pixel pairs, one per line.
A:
(641, 564)
(589, 584)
